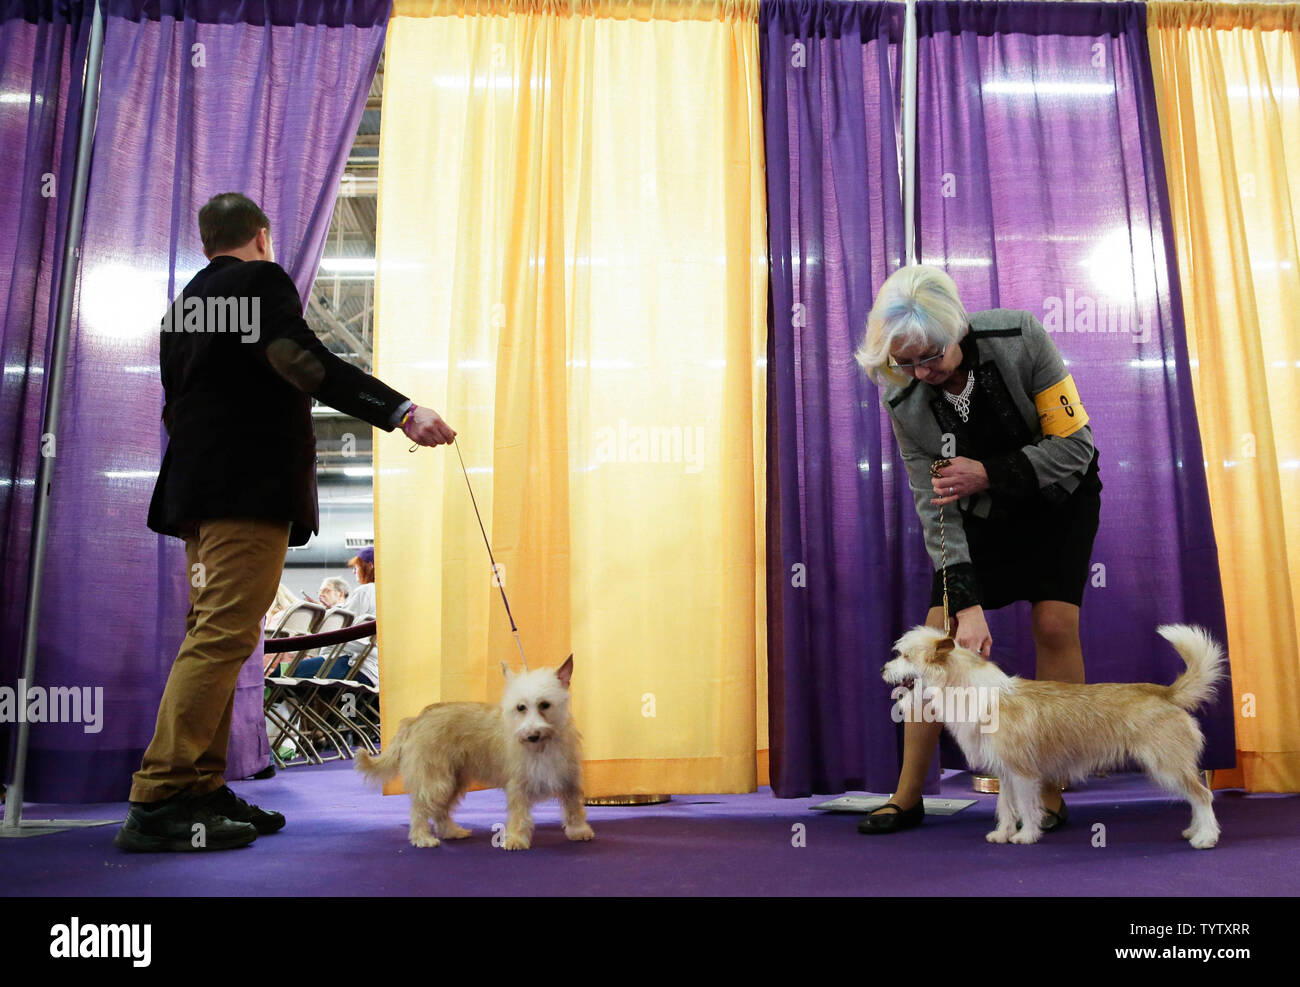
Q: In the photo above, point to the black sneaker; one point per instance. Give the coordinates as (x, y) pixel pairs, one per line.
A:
(180, 824)
(226, 803)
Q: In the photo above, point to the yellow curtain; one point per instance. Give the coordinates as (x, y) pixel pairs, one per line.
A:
(1226, 86)
(571, 255)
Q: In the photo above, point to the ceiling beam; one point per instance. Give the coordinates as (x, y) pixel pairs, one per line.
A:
(344, 334)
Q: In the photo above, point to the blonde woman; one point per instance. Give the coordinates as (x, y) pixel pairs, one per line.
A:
(284, 599)
(993, 431)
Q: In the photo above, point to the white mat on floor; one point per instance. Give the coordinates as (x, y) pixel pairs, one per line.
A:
(865, 803)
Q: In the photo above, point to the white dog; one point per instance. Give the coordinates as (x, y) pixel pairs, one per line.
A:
(527, 745)
(1059, 731)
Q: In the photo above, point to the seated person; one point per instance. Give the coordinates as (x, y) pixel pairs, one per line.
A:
(284, 599)
(333, 591)
(361, 603)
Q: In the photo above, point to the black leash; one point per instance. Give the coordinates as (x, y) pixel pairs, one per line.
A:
(496, 575)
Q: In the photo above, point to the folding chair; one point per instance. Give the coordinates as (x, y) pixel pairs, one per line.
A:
(302, 618)
(360, 716)
(305, 691)
(279, 678)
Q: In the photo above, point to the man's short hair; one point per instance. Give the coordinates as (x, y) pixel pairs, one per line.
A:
(228, 221)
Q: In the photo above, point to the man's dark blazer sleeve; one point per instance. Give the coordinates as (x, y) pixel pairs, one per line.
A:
(293, 351)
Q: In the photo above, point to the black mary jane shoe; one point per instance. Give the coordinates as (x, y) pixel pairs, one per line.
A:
(892, 822)
(1053, 821)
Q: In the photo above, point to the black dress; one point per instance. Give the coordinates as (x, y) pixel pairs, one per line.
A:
(1028, 548)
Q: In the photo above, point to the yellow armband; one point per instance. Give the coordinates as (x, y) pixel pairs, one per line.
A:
(1060, 411)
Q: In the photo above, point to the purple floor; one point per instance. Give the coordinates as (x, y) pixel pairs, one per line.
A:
(345, 839)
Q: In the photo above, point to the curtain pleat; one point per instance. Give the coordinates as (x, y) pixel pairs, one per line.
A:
(1226, 84)
(42, 63)
(194, 100)
(571, 240)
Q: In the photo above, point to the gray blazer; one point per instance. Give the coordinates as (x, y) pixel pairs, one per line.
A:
(1015, 360)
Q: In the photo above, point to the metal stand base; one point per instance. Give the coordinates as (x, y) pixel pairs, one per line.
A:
(629, 800)
(44, 827)
(988, 784)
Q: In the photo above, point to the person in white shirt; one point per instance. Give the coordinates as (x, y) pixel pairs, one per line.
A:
(361, 601)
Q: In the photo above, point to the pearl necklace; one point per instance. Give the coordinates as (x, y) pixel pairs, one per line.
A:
(962, 401)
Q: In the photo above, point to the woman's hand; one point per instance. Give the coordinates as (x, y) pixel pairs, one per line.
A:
(960, 478)
(973, 631)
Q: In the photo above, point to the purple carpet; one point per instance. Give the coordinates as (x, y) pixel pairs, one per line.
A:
(345, 839)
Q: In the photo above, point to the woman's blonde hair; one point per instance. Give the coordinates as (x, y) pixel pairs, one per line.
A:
(916, 304)
(284, 599)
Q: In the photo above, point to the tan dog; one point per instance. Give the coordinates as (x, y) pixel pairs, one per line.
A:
(1059, 731)
(527, 745)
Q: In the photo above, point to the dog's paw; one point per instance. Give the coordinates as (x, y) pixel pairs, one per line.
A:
(1204, 841)
(583, 832)
(997, 836)
(516, 843)
(1025, 836)
(457, 833)
(424, 839)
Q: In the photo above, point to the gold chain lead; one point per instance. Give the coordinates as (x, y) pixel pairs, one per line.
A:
(935, 468)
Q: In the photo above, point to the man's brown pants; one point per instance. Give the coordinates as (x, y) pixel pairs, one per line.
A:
(234, 570)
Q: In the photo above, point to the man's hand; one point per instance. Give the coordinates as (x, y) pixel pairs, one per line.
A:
(425, 427)
(960, 478)
(973, 631)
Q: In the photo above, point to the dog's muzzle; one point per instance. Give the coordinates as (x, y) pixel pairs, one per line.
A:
(899, 672)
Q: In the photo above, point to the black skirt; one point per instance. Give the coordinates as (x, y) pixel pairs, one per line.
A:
(1040, 551)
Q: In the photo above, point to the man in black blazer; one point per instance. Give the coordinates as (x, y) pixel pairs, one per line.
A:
(240, 368)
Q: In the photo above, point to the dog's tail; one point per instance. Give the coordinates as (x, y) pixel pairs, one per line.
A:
(1204, 658)
(385, 766)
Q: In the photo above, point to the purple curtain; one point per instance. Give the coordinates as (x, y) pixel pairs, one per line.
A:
(42, 53)
(1040, 186)
(250, 747)
(838, 540)
(196, 99)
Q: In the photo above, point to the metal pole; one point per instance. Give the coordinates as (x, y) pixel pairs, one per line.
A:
(50, 426)
(909, 134)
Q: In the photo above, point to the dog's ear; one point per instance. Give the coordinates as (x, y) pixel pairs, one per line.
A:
(505, 670)
(942, 647)
(565, 672)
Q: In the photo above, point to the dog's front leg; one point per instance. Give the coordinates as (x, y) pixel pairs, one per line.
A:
(575, 816)
(1027, 803)
(519, 818)
(1006, 815)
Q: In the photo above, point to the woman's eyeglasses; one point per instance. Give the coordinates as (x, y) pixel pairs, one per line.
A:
(924, 362)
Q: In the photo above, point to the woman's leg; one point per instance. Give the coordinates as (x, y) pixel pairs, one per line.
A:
(1060, 659)
(1056, 640)
(919, 741)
